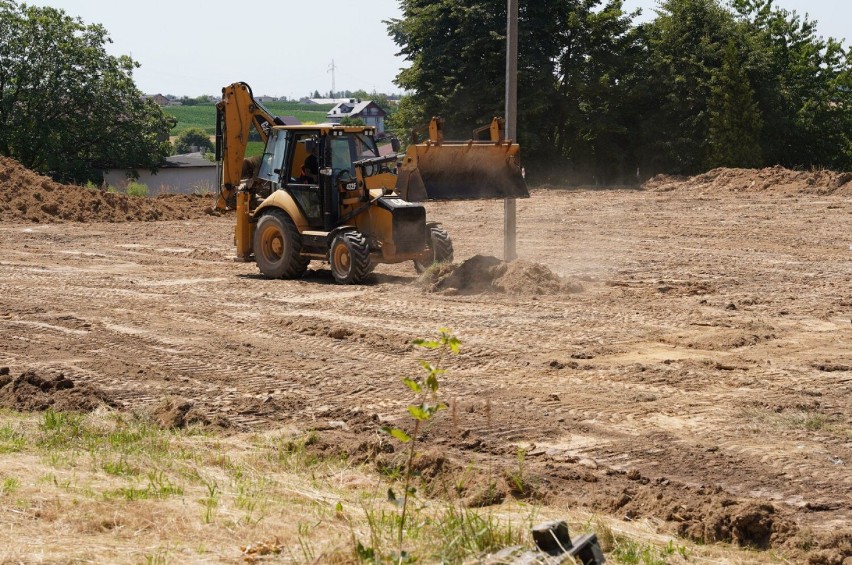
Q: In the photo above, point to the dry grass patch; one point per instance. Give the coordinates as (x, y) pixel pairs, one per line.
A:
(110, 487)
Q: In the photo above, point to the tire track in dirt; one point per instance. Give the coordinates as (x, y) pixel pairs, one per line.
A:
(691, 356)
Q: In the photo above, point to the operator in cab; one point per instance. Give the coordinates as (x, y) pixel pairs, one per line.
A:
(310, 170)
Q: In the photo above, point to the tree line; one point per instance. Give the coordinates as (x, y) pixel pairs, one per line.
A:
(601, 96)
(604, 98)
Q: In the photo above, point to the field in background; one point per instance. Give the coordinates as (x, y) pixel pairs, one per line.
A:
(204, 117)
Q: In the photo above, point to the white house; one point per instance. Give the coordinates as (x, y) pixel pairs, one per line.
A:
(368, 111)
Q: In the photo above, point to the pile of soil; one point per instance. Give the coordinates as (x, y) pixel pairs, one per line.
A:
(26, 196)
(774, 180)
(483, 273)
(176, 412)
(31, 392)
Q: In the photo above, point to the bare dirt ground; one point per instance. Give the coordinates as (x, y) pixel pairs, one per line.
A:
(681, 353)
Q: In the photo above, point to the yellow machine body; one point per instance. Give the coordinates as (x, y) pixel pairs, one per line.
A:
(325, 191)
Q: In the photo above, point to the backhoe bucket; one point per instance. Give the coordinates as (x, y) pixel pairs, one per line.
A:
(461, 170)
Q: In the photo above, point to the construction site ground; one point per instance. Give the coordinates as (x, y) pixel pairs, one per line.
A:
(680, 353)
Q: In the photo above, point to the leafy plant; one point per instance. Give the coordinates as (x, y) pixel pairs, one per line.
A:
(137, 189)
(427, 404)
(211, 501)
(67, 107)
(193, 139)
(10, 484)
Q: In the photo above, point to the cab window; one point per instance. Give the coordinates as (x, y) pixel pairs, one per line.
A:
(348, 148)
(341, 156)
(273, 156)
(366, 146)
(304, 165)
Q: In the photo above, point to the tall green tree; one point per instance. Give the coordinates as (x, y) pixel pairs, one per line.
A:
(735, 120)
(685, 45)
(193, 139)
(595, 104)
(707, 82)
(572, 60)
(803, 84)
(454, 47)
(67, 107)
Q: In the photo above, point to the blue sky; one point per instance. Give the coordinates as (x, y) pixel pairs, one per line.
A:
(192, 47)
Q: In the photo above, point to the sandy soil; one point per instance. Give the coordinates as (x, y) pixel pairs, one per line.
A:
(29, 197)
(682, 352)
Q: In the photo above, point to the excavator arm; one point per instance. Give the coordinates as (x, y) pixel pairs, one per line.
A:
(235, 114)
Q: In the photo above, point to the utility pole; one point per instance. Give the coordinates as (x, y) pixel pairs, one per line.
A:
(331, 69)
(509, 209)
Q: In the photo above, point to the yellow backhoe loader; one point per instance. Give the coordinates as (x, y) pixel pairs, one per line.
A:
(324, 192)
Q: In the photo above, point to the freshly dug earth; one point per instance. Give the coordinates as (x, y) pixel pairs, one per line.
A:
(26, 196)
(482, 273)
(31, 392)
(700, 379)
(176, 412)
(772, 180)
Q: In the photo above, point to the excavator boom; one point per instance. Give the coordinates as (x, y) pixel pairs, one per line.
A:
(235, 114)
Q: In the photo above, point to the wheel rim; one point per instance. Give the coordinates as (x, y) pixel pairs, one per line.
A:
(273, 244)
(342, 260)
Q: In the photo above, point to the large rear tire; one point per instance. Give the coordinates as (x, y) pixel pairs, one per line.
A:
(278, 246)
(349, 257)
(440, 249)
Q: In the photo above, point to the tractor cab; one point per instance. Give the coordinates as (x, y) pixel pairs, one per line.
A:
(323, 168)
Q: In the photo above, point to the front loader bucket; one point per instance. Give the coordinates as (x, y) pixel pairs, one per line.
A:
(461, 170)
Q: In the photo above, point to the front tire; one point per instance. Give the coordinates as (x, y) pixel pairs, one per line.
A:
(278, 246)
(349, 257)
(440, 249)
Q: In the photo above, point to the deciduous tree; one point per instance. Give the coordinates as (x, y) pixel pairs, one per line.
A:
(193, 139)
(572, 55)
(67, 107)
(803, 84)
(735, 119)
(707, 82)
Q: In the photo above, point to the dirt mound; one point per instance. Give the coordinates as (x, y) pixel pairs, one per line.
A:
(175, 412)
(26, 196)
(483, 273)
(775, 180)
(31, 392)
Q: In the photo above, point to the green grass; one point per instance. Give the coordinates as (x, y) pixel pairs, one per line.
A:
(10, 484)
(802, 420)
(254, 148)
(137, 189)
(289, 491)
(11, 439)
(204, 117)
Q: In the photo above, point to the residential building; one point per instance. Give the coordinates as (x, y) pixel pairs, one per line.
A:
(367, 111)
